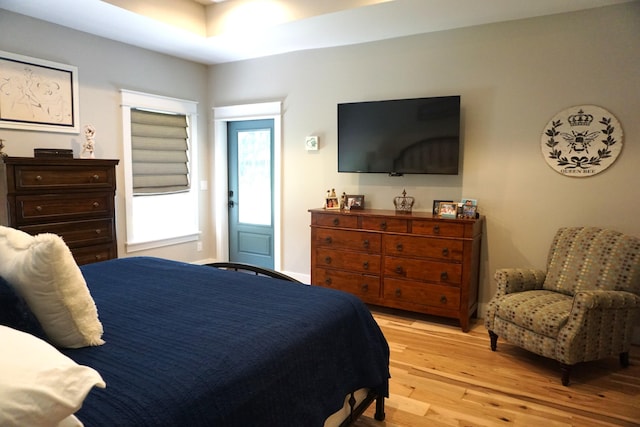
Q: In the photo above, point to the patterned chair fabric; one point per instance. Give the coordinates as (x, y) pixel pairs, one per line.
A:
(583, 308)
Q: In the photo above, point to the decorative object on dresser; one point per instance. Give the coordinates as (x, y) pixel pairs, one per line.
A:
(354, 201)
(404, 203)
(416, 262)
(73, 198)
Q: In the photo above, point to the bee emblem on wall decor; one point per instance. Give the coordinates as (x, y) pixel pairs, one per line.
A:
(581, 141)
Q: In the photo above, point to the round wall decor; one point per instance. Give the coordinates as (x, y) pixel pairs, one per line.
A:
(581, 141)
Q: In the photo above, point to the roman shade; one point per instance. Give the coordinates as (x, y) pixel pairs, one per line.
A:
(159, 152)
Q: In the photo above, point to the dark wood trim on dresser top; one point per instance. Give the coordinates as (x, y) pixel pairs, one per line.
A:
(416, 262)
(73, 198)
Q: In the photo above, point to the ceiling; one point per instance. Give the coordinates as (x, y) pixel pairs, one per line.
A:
(303, 24)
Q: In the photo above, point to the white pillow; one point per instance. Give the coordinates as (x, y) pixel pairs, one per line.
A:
(44, 273)
(39, 386)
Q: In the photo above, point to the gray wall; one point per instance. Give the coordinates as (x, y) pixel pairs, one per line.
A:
(104, 68)
(513, 78)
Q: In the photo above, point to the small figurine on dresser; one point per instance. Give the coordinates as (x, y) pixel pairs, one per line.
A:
(89, 145)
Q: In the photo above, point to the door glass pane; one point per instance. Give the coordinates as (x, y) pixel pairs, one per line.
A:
(254, 177)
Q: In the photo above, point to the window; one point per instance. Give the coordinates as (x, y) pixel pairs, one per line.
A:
(160, 161)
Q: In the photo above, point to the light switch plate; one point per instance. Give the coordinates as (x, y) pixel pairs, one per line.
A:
(311, 143)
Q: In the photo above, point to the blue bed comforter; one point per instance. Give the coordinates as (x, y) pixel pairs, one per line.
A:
(190, 345)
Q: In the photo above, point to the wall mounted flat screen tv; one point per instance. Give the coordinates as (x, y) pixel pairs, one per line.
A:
(402, 136)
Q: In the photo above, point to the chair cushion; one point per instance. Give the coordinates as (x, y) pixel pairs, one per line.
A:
(543, 312)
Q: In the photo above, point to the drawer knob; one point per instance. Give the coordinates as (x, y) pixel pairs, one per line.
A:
(364, 287)
(328, 240)
(98, 231)
(443, 299)
(400, 270)
(327, 260)
(445, 251)
(436, 229)
(365, 243)
(444, 276)
(38, 178)
(96, 204)
(398, 292)
(365, 265)
(399, 247)
(327, 281)
(39, 208)
(95, 177)
(98, 257)
(383, 225)
(336, 221)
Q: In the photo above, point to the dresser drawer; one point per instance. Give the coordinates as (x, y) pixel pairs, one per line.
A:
(79, 233)
(365, 286)
(437, 228)
(42, 177)
(423, 270)
(416, 246)
(60, 207)
(390, 225)
(360, 262)
(343, 239)
(443, 297)
(96, 253)
(335, 220)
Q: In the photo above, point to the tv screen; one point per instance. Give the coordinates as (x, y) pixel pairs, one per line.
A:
(402, 136)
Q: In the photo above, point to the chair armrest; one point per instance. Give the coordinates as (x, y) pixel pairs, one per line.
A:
(600, 324)
(510, 280)
(589, 300)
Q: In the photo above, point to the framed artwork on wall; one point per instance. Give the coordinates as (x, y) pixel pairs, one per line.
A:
(38, 95)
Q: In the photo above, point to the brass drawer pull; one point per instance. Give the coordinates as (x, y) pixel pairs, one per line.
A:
(96, 177)
(328, 240)
(327, 281)
(383, 225)
(98, 257)
(444, 276)
(327, 260)
(38, 178)
(365, 287)
(436, 229)
(336, 222)
(400, 270)
(443, 299)
(445, 251)
(365, 265)
(399, 247)
(398, 292)
(96, 204)
(39, 208)
(98, 231)
(365, 243)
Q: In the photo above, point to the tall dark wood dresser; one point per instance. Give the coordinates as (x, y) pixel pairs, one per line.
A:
(73, 198)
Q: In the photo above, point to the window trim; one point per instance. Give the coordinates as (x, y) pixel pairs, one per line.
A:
(132, 99)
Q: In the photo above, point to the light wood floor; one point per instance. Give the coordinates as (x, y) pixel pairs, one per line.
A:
(444, 377)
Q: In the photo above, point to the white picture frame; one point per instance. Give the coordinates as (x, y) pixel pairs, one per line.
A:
(38, 95)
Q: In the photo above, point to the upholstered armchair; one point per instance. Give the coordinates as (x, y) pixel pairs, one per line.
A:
(583, 308)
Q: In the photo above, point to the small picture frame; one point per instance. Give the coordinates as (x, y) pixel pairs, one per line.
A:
(469, 211)
(332, 203)
(448, 210)
(436, 205)
(354, 201)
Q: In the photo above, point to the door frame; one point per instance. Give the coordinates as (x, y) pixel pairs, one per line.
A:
(221, 116)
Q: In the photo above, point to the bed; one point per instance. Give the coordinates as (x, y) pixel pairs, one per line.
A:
(206, 346)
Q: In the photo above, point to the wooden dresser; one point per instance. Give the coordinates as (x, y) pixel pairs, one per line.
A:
(414, 262)
(73, 198)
